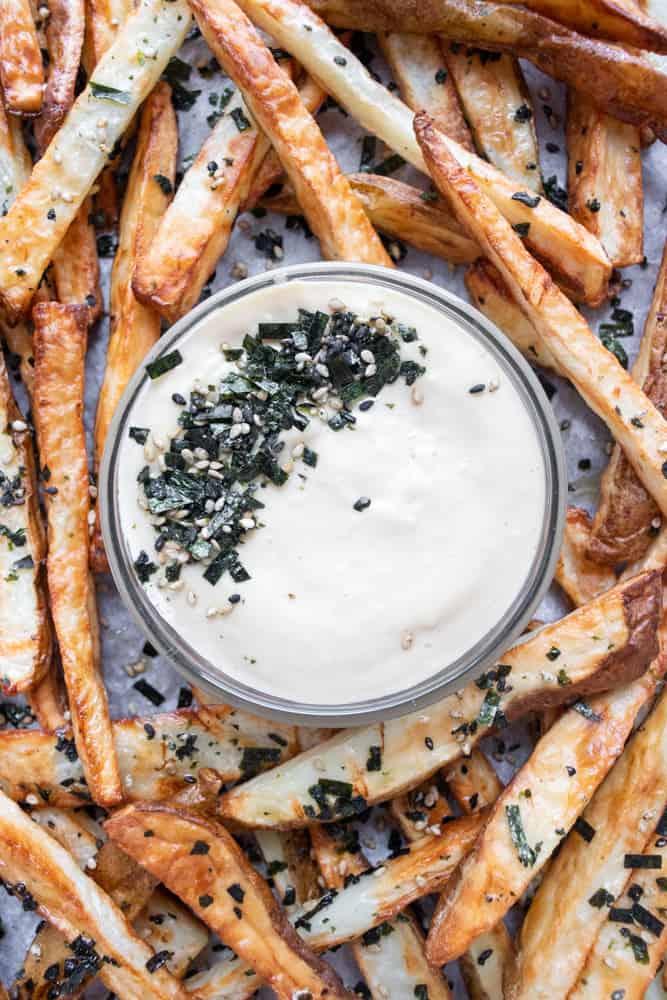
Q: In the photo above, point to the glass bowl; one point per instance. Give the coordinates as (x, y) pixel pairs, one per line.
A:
(484, 652)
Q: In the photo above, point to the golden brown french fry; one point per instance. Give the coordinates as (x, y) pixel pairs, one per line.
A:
(628, 517)
(35, 225)
(201, 863)
(498, 108)
(580, 577)
(167, 925)
(21, 69)
(418, 66)
(572, 253)
(613, 19)
(490, 294)
(600, 150)
(135, 327)
(271, 169)
(572, 903)
(35, 867)
(333, 212)
(47, 699)
(76, 266)
(607, 388)
(534, 813)
(158, 755)
(171, 272)
(289, 865)
(64, 37)
(103, 20)
(601, 644)
(622, 81)
(60, 338)
(400, 210)
(25, 632)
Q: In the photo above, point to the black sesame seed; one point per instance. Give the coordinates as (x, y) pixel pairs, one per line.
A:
(363, 503)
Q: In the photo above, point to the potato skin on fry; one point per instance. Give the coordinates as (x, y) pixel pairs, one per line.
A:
(64, 36)
(60, 340)
(581, 578)
(225, 891)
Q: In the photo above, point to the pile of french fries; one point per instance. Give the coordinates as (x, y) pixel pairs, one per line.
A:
(131, 837)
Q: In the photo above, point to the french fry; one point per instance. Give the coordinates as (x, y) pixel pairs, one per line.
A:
(534, 812)
(597, 643)
(473, 782)
(158, 755)
(581, 578)
(33, 865)
(194, 232)
(600, 150)
(399, 210)
(497, 106)
(229, 979)
(423, 809)
(76, 266)
(623, 82)
(572, 903)
(289, 865)
(21, 69)
(489, 293)
(390, 957)
(419, 69)
(47, 698)
(607, 388)
(60, 336)
(628, 517)
(618, 21)
(218, 883)
(331, 209)
(135, 327)
(64, 827)
(64, 37)
(167, 925)
(570, 251)
(36, 224)
(271, 169)
(103, 20)
(25, 632)
(628, 961)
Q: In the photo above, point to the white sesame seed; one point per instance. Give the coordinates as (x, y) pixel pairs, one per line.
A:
(370, 370)
(237, 415)
(191, 598)
(19, 425)
(92, 517)
(335, 305)
(322, 370)
(297, 450)
(211, 612)
(420, 880)
(235, 432)
(407, 638)
(32, 800)
(247, 523)
(36, 950)
(417, 396)
(320, 394)
(149, 451)
(367, 356)
(92, 492)
(662, 447)
(379, 872)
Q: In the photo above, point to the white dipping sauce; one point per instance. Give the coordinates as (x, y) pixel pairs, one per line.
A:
(344, 605)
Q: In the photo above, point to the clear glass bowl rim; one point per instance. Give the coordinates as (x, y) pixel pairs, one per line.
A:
(486, 650)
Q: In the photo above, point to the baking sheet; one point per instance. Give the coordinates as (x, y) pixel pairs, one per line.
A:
(584, 436)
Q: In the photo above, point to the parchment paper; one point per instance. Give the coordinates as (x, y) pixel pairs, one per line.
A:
(584, 435)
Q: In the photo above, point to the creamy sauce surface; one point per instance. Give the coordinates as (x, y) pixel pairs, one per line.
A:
(345, 605)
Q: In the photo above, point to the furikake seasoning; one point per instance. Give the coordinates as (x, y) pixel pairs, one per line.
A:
(202, 490)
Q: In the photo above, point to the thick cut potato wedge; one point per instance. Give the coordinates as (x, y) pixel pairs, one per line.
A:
(566, 915)
(624, 959)
(581, 578)
(33, 865)
(60, 339)
(622, 81)
(400, 210)
(570, 251)
(628, 517)
(21, 69)
(64, 38)
(533, 814)
(607, 388)
(600, 150)
(158, 756)
(135, 327)
(607, 642)
(333, 212)
(202, 864)
(25, 632)
(419, 69)
(103, 20)
(39, 218)
(490, 294)
(498, 108)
